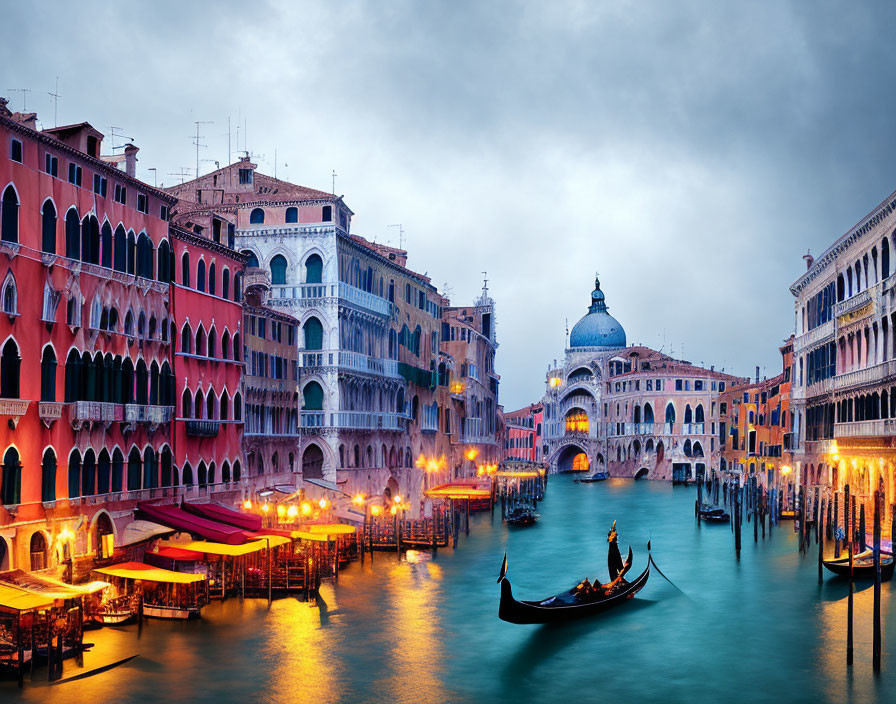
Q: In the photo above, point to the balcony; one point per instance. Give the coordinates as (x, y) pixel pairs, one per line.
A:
(49, 411)
(81, 412)
(368, 365)
(156, 415)
(857, 301)
(668, 428)
(820, 388)
(256, 276)
(353, 420)
(203, 428)
(866, 428)
(14, 409)
(362, 299)
(864, 377)
(693, 428)
(309, 294)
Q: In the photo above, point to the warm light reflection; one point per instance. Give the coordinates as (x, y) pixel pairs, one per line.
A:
(306, 508)
(785, 470)
(281, 511)
(323, 503)
(247, 504)
(472, 454)
(393, 510)
(375, 510)
(580, 463)
(358, 499)
(577, 422)
(456, 387)
(292, 512)
(266, 508)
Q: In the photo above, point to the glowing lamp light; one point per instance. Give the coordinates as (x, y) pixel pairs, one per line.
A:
(785, 470)
(292, 512)
(281, 511)
(323, 504)
(374, 510)
(247, 504)
(266, 508)
(358, 499)
(398, 498)
(472, 453)
(66, 534)
(393, 510)
(554, 382)
(306, 508)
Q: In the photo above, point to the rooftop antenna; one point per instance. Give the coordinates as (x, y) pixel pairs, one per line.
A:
(228, 140)
(275, 163)
(24, 92)
(155, 174)
(55, 96)
(197, 141)
(183, 172)
(333, 176)
(400, 234)
(112, 136)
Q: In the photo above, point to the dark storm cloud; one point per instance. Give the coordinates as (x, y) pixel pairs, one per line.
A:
(690, 151)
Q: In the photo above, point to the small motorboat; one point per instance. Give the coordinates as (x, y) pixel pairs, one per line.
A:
(713, 514)
(596, 477)
(522, 516)
(582, 600)
(862, 565)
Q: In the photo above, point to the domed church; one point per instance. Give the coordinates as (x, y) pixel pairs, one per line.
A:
(628, 410)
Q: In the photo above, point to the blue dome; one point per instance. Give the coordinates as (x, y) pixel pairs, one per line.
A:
(598, 328)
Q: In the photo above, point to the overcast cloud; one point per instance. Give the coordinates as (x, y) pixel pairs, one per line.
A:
(689, 151)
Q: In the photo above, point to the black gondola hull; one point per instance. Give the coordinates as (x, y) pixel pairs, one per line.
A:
(531, 612)
(862, 570)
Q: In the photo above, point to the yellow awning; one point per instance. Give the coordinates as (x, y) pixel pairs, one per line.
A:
(210, 548)
(518, 473)
(315, 537)
(16, 598)
(148, 573)
(459, 493)
(330, 528)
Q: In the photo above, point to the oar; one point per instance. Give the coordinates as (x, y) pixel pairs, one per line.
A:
(657, 567)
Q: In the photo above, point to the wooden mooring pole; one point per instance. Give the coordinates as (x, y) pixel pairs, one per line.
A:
(737, 526)
(849, 608)
(875, 653)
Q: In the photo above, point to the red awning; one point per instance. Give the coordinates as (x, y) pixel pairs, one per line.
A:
(178, 554)
(217, 512)
(199, 526)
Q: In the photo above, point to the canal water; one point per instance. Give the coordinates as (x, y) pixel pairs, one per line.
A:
(761, 629)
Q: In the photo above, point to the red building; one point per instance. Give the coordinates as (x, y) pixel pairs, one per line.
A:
(522, 439)
(91, 364)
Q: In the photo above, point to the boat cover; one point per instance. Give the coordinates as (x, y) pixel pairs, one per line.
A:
(187, 522)
(148, 573)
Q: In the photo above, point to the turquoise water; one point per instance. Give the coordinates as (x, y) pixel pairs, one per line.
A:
(758, 630)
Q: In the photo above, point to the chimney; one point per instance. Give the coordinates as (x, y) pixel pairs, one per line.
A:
(757, 374)
(130, 159)
(809, 259)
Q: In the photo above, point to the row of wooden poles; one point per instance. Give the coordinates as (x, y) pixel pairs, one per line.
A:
(816, 512)
(522, 492)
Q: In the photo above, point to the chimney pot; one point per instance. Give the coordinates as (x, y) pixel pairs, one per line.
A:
(130, 159)
(809, 259)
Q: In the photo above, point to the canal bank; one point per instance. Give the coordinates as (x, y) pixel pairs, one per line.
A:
(760, 629)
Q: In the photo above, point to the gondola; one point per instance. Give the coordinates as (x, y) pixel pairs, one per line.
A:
(596, 477)
(522, 516)
(572, 604)
(862, 565)
(714, 514)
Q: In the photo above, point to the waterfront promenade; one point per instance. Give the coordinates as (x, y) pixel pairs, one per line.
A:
(760, 629)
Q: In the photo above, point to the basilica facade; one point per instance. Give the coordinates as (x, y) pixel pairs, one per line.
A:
(630, 410)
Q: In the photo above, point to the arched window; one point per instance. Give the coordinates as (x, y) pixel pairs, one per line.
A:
(200, 275)
(127, 381)
(74, 474)
(132, 252)
(648, 413)
(135, 469)
(292, 215)
(213, 343)
(225, 472)
(212, 283)
(314, 334)
(698, 414)
(48, 228)
(48, 375)
(188, 475)
(121, 249)
(278, 269)
(885, 258)
(186, 339)
(166, 386)
(198, 404)
(210, 405)
(185, 269)
(237, 287)
(150, 469)
(142, 383)
(48, 476)
(200, 341)
(256, 217)
(154, 384)
(103, 475)
(145, 257)
(38, 551)
(10, 298)
(9, 370)
(11, 488)
(72, 234)
(225, 345)
(670, 413)
(106, 246)
(164, 260)
(224, 405)
(237, 350)
(166, 465)
(88, 474)
(313, 397)
(314, 269)
(237, 415)
(186, 404)
(225, 283)
(117, 470)
(688, 414)
(251, 259)
(9, 222)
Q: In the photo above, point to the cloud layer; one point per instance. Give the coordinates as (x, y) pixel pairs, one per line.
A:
(691, 151)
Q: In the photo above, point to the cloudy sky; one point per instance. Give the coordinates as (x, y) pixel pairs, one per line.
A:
(690, 151)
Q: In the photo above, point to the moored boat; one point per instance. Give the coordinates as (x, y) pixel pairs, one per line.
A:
(522, 516)
(862, 565)
(596, 477)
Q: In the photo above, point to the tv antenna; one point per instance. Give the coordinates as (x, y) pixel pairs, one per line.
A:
(400, 234)
(24, 92)
(155, 173)
(55, 96)
(333, 176)
(183, 172)
(197, 140)
(113, 135)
